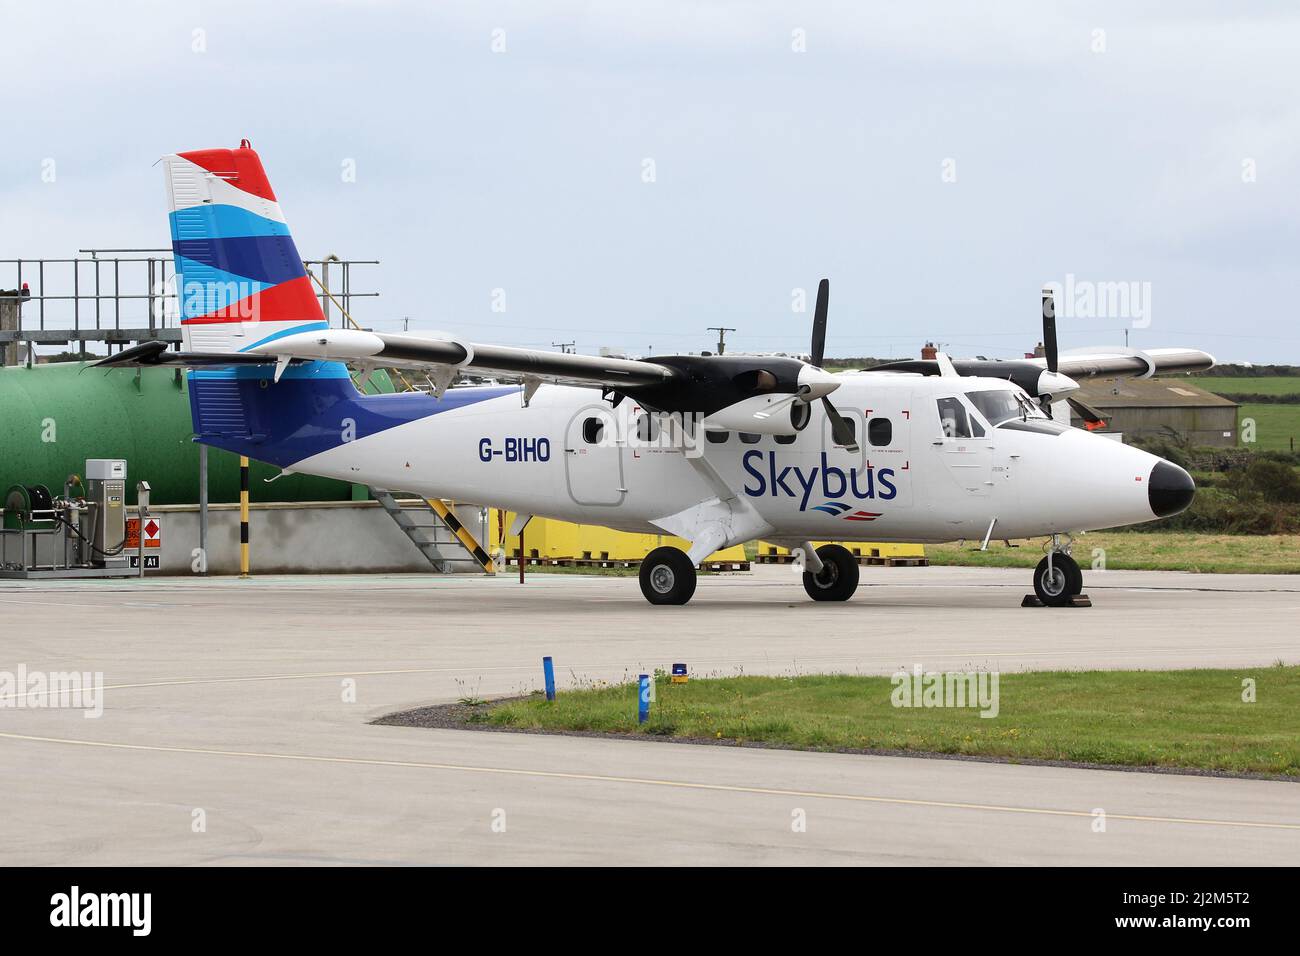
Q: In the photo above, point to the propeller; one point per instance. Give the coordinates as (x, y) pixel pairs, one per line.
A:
(841, 430)
(1049, 330)
(1050, 350)
(819, 322)
(816, 383)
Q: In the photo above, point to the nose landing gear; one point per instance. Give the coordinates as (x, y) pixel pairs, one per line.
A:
(1058, 580)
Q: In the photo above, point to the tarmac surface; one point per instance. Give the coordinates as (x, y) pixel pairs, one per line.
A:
(235, 723)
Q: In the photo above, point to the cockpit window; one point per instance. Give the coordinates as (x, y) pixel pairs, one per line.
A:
(953, 417)
(1004, 404)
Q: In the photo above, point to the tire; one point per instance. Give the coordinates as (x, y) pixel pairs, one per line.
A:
(1066, 580)
(838, 578)
(667, 576)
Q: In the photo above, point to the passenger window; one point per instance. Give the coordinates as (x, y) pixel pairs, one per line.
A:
(785, 439)
(953, 417)
(880, 431)
(749, 438)
(717, 438)
(593, 430)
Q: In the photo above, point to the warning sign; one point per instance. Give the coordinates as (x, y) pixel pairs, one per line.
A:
(152, 533)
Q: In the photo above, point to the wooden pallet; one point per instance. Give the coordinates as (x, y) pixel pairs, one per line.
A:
(870, 560)
(621, 563)
(725, 566)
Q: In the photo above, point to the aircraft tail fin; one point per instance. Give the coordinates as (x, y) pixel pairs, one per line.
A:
(240, 280)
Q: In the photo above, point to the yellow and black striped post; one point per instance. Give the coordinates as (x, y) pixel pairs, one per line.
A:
(243, 516)
(462, 534)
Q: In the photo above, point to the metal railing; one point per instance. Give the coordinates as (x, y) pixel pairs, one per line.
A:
(127, 295)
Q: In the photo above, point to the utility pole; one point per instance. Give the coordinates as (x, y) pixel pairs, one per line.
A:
(722, 336)
(565, 347)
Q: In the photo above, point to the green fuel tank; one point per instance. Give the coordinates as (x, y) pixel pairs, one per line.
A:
(53, 417)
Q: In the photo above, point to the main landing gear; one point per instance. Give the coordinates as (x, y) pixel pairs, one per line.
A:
(1057, 579)
(667, 576)
(836, 579)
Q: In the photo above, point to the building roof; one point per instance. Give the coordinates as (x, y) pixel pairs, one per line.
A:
(1173, 392)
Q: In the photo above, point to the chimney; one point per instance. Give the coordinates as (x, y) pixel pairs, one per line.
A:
(929, 350)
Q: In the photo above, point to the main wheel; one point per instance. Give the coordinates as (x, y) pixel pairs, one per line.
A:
(838, 578)
(667, 576)
(1064, 582)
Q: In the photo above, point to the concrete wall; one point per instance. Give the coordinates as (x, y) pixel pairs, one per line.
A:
(306, 538)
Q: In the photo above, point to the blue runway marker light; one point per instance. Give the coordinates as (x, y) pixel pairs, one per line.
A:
(643, 705)
(548, 672)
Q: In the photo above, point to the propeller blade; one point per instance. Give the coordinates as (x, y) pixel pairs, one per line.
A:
(1093, 419)
(841, 430)
(1049, 330)
(819, 322)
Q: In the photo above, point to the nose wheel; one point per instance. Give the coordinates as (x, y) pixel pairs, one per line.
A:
(1057, 579)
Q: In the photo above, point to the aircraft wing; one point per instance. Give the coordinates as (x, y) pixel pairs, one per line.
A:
(1143, 363)
(414, 352)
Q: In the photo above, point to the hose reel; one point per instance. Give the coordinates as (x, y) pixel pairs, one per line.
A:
(27, 506)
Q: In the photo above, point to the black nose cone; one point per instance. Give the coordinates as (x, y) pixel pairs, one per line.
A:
(1169, 489)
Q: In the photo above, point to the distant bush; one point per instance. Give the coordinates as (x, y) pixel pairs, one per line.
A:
(1271, 481)
(1217, 511)
(1230, 370)
(1263, 398)
(1238, 491)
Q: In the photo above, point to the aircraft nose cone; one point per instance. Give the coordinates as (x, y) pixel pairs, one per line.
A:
(1169, 489)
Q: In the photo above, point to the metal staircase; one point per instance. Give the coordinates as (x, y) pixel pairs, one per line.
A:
(435, 531)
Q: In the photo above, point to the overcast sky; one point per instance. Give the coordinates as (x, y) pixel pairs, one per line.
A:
(786, 142)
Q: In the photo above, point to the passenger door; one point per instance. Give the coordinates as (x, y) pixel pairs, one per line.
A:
(593, 458)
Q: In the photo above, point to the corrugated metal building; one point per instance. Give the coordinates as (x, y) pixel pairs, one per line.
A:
(1146, 408)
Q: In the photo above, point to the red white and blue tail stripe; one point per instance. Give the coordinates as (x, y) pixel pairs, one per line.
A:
(240, 280)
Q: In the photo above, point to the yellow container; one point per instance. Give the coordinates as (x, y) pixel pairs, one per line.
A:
(548, 539)
(543, 539)
(601, 544)
(861, 549)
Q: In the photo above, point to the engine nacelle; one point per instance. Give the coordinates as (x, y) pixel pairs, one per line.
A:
(774, 414)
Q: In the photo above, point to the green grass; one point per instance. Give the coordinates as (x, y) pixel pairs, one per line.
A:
(1142, 551)
(1264, 385)
(1275, 426)
(1174, 719)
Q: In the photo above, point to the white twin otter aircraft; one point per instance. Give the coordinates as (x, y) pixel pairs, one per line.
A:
(715, 449)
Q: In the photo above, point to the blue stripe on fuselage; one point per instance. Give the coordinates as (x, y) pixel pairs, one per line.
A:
(287, 421)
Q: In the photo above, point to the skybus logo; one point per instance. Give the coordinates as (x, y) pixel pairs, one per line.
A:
(791, 481)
